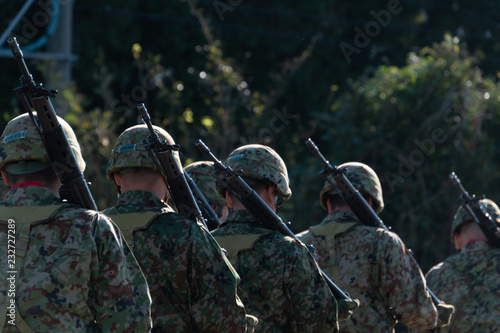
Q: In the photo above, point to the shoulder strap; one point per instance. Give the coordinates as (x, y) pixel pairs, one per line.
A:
(22, 217)
(232, 245)
(128, 223)
(330, 231)
(333, 229)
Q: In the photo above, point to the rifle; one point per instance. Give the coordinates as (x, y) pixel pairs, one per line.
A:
(353, 198)
(74, 187)
(162, 154)
(232, 182)
(477, 212)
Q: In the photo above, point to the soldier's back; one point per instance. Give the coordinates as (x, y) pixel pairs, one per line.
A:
(373, 266)
(470, 280)
(70, 268)
(280, 282)
(190, 282)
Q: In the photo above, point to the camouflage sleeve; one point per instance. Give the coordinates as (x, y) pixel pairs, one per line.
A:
(403, 284)
(216, 306)
(119, 295)
(433, 276)
(429, 277)
(314, 307)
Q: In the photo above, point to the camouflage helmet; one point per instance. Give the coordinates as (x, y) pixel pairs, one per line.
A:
(21, 141)
(201, 173)
(261, 162)
(363, 178)
(462, 216)
(130, 152)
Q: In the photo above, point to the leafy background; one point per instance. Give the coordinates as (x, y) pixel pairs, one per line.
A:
(416, 98)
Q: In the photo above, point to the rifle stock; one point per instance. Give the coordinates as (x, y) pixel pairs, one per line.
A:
(353, 198)
(232, 182)
(74, 187)
(477, 212)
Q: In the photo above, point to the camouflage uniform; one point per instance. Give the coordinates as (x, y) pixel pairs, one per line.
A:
(193, 286)
(371, 264)
(73, 273)
(280, 281)
(470, 280)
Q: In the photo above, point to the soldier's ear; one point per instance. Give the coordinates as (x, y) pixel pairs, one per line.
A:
(4, 177)
(456, 241)
(369, 200)
(329, 205)
(270, 196)
(117, 179)
(229, 200)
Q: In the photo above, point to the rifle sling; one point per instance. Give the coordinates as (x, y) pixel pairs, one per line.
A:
(237, 243)
(132, 222)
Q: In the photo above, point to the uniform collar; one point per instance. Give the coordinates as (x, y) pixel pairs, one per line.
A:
(30, 196)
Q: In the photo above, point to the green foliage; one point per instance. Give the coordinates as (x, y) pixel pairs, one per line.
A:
(274, 73)
(414, 125)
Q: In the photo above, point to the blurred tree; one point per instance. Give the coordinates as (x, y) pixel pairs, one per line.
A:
(356, 76)
(414, 125)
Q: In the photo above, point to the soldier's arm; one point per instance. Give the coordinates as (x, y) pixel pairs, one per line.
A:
(314, 306)
(217, 307)
(120, 295)
(403, 284)
(433, 286)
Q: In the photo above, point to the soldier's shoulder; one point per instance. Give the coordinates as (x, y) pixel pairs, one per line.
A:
(436, 268)
(167, 216)
(285, 245)
(177, 226)
(442, 273)
(369, 234)
(387, 237)
(76, 214)
(306, 235)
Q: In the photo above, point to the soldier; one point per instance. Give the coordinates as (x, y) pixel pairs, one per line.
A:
(192, 285)
(69, 270)
(370, 263)
(201, 173)
(470, 279)
(280, 281)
